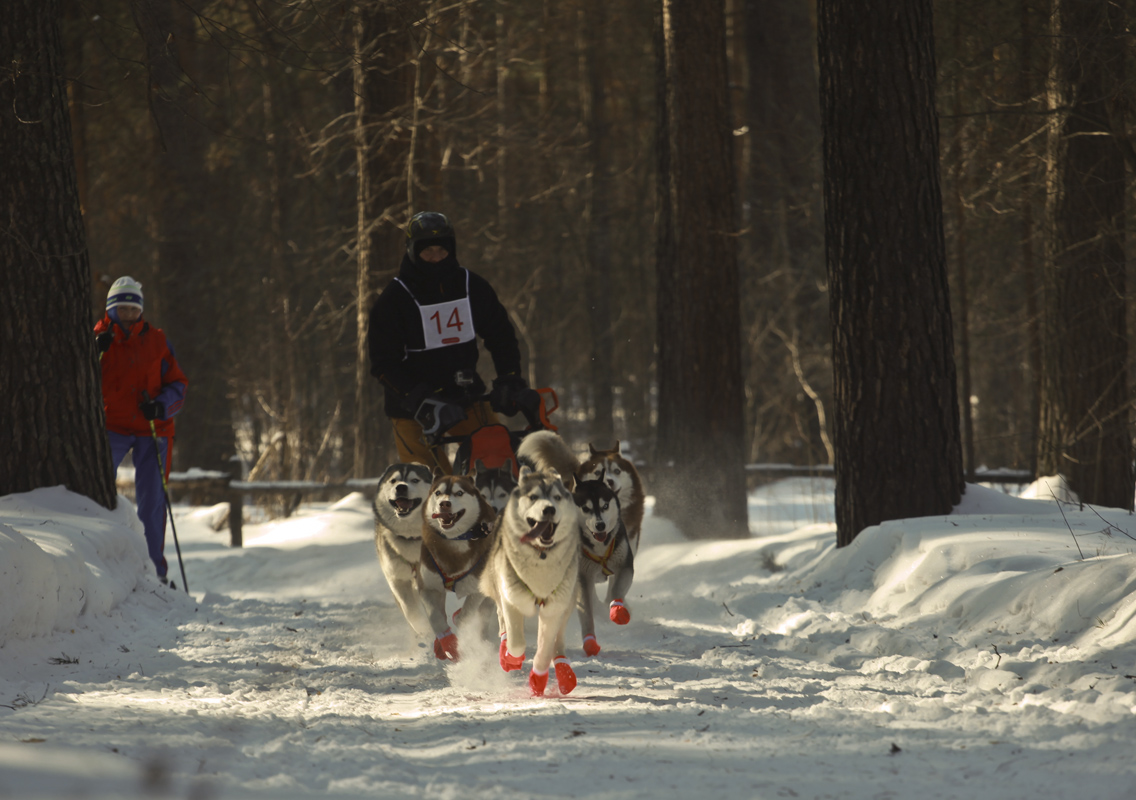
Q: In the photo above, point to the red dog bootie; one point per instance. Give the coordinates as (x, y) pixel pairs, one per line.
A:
(591, 646)
(619, 613)
(537, 682)
(565, 675)
(446, 646)
(508, 662)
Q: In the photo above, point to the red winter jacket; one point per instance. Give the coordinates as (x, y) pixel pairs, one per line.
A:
(142, 362)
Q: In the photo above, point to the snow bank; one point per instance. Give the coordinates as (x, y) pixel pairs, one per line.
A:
(63, 556)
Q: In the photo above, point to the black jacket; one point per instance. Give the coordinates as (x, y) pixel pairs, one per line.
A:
(395, 332)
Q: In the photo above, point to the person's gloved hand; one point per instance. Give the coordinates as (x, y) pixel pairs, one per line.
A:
(506, 390)
(103, 341)
(153, 409)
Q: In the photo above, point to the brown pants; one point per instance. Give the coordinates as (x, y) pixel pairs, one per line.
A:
(413, 449)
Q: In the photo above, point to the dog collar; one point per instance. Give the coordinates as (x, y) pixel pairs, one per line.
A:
(478, 531)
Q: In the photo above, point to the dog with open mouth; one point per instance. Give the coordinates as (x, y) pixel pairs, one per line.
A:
(533, 569)
(457, 528)
(616, 470)
(606, 556)
(397, 509)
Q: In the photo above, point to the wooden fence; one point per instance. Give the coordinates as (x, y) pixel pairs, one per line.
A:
(210, 488)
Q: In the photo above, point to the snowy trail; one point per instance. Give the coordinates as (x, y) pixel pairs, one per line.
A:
(294, 674)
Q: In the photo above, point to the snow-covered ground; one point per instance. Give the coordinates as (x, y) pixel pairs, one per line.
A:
(990, 653)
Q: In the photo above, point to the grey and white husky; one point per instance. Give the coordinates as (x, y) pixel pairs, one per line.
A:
(546, 450)
(495, 484)
(398, 537)
(606, 557)
(456, 537)
(616, 470)
(533, 569)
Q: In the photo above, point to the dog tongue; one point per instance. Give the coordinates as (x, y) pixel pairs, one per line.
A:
(542, 530)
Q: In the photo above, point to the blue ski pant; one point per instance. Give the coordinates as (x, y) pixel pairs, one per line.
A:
(149, 494)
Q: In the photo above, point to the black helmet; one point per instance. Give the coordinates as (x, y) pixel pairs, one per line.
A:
(428, 228)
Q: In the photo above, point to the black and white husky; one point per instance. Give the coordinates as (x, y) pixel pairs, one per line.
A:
(495, 484)
(398, 537)
(456, 537)
(533, 569)
(606, 556)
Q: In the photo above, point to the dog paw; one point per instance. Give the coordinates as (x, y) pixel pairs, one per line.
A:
(446, 646)
(591, 646)
(565, 675)
(619, 613)
(508, 662)
(538, 681)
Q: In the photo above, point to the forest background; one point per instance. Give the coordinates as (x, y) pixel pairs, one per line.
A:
(253, 163)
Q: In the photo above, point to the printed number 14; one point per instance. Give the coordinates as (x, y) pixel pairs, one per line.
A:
(453, 322)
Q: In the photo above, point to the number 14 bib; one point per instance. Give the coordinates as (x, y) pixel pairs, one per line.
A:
(445, 324)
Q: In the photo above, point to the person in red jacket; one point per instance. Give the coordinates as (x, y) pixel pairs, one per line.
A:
(142, 384)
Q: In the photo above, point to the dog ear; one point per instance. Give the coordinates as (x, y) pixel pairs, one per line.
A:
(478, 466)
(437, 473)
(526, 470)
(592, 449)
(507, 466)
(617, 446)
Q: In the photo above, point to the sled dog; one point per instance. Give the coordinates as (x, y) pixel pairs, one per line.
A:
(543, 450)
(534, 569)
(398, 537)
(456, 528)
(605, 554)
(611, 467)
(495, 484)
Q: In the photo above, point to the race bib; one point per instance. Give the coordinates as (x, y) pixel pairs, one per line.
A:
(444, 324)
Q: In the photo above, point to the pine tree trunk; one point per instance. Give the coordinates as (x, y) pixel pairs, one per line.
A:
(190, 288)
(599, 226)
(898, 446)
(700, 467)
(1086, 402)
(52, 413)
(380, 89)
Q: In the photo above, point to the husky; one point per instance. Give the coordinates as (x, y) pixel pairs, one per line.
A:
(398, 537)
(495, 484)
(543, 450)
(611, 467)
(534, 569)
(456, 537)
(605, 553)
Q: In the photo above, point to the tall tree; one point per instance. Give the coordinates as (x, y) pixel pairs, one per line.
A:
(380, 91)
(189, 286)
(600, 189)
(700, 474)
(52, 415)
(897, 440)
(1085, 407)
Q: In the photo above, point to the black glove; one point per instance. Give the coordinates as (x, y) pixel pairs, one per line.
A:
(104, 340)
(506, 390)
(153, 409)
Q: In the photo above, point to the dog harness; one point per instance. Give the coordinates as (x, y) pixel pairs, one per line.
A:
(602, 560)
(450, 581)
(444, 324)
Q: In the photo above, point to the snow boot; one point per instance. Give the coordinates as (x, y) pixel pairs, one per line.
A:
(446, 646)
(508, 662)
(537, 682)
(619, 613)
(565, 676)
(591, 646)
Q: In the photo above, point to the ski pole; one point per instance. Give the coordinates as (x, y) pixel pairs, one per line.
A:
(169, 505)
